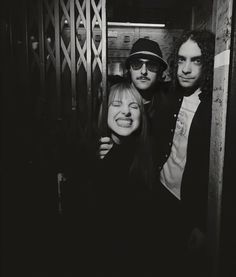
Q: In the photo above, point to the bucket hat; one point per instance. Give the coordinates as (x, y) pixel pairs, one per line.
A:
(146, 49)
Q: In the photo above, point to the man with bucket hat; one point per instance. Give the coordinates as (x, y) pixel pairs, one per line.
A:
(145, 66)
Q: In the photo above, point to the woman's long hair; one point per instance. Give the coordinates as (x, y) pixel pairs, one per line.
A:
(141, 166)
(206, 42)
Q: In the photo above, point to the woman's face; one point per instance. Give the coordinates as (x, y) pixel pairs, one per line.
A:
(123, 115)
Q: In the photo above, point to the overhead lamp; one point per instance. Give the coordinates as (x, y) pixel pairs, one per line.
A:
(129, 24)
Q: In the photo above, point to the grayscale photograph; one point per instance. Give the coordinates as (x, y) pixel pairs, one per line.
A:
(118, 138)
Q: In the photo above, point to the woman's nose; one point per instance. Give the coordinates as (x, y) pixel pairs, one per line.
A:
(125, 110)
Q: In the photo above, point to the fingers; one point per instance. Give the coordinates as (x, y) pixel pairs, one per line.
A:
(102, 154)
(105, 146)
(105, 140)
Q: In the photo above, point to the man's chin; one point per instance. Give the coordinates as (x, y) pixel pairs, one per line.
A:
(186, 84)
(143, 86)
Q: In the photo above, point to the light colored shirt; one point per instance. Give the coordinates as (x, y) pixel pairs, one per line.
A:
(172, 171)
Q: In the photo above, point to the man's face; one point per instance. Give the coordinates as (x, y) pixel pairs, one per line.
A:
(189, 64)
(143, 73)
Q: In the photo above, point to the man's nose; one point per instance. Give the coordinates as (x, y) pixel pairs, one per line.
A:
(187, 67)
(144, 69)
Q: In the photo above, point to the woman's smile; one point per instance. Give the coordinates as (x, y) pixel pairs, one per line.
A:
(124, 122)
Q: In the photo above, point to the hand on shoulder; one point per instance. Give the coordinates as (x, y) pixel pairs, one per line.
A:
(105, 146)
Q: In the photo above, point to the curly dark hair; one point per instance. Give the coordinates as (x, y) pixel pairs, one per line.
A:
(206, 42)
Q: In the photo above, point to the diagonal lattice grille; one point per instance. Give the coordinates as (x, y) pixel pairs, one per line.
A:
(68, 46)
(97, 21)
(80, 28)
(49, 27)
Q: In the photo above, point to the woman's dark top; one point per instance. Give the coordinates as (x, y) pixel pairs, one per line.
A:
(124, 205)
(109, 215)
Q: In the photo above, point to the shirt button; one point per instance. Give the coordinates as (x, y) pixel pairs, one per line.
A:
(175, 115)
(180, 99)
(170, 143)
(172, 130)
(166, 155)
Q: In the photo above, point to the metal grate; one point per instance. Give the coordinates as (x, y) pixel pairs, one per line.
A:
(67, 40)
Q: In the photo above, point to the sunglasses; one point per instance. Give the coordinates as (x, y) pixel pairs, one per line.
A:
(150, 65)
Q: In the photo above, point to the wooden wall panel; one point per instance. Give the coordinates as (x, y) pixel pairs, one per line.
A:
(228, 228)
(219, 106)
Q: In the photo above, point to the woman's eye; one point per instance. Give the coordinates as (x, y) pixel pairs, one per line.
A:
(116, 104)
(134, 106)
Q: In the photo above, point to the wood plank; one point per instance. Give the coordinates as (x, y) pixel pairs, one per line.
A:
(228, 228)
(219, 111)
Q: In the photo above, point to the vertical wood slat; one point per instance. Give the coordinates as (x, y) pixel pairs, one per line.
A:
(89, 65)
(41, 47)
(58, 57)
(228, 240)
(104, 66)
(73, 53)
(219, 111)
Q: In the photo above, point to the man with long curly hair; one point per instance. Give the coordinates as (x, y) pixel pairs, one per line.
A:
(181, 127)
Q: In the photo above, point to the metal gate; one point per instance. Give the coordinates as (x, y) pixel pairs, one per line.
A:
(67, 58)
